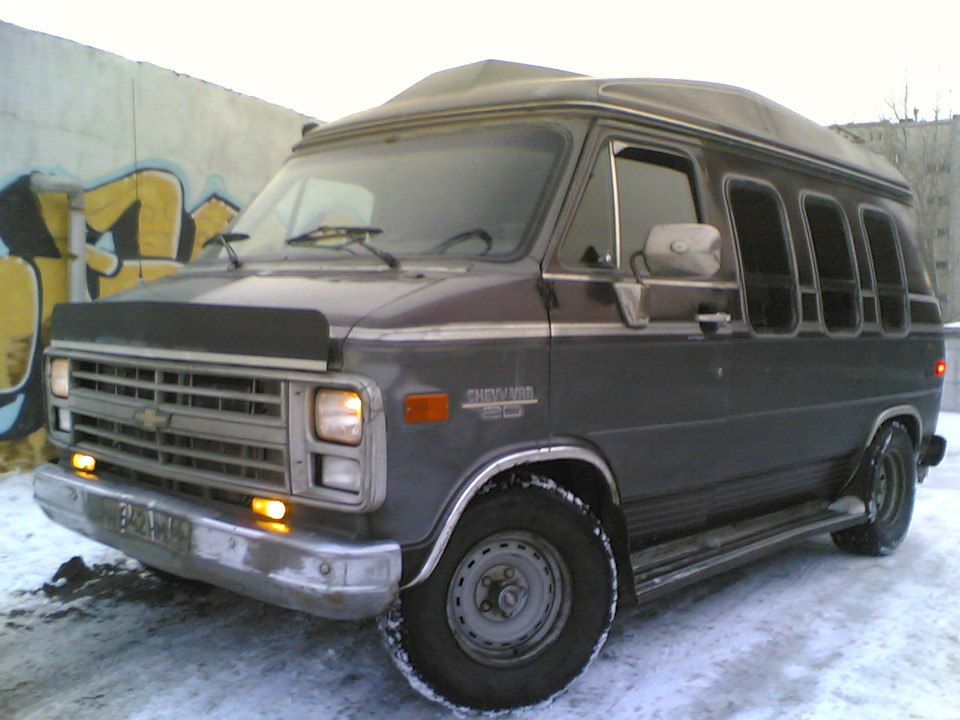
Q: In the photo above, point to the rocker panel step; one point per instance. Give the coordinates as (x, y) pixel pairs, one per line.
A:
(672, 564)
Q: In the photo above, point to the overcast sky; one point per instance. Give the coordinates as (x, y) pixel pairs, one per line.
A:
(831, 60)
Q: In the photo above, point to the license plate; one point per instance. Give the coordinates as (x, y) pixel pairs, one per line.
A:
(138, 521)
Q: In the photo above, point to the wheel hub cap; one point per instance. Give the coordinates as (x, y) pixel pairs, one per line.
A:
(508, 598)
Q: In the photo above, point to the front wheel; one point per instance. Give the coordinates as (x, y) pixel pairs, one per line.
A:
(518, 605)
(887, 482)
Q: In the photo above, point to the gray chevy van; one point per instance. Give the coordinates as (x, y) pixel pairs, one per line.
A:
(514, 348)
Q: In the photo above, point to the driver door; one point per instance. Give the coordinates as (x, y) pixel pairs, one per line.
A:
(637, 357)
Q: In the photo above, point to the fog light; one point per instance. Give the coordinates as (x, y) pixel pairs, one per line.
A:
(86, 463)
(273, 509)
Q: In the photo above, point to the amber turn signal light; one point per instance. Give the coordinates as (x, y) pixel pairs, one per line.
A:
(433, 407)
(273, 509)
(85, 463)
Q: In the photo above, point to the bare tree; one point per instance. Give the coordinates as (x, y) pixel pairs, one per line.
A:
(922, 151)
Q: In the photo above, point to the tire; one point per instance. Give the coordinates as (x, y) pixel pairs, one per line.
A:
(887, 483)
(519, 604)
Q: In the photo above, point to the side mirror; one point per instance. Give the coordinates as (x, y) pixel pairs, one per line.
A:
(681, 250)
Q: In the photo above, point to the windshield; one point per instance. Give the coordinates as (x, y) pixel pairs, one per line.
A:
(469, 194)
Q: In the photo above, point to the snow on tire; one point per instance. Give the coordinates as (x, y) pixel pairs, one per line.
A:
(887, 482)
(519, 604)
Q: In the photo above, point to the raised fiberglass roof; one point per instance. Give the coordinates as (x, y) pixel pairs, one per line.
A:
(704, 107)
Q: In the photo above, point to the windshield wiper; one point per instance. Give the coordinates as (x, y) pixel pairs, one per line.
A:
(225, 239)
(356, 234)
(441, 247)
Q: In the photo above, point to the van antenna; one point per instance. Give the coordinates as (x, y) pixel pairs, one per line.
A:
(136, 174)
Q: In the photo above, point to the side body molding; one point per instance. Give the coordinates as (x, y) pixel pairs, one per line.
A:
(494, 468)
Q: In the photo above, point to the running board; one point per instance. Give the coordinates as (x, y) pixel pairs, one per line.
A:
(667, 566)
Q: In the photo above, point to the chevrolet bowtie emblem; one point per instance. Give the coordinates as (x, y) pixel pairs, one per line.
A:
(151, 419)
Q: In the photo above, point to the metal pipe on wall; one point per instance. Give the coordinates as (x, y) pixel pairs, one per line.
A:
(77, 234)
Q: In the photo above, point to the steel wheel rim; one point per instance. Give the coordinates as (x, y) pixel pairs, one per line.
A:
(889, 488)
(509, 598)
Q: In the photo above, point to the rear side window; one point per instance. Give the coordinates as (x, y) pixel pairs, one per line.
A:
(888, 274)
(769, 279)
(836, 271)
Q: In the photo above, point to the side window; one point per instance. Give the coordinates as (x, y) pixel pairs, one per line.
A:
(769, 279)
(833, 252)
(630, 189)
(887, 269)
(653, 188)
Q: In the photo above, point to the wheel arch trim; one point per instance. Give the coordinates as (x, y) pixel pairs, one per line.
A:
(897, 412)
(493, 468)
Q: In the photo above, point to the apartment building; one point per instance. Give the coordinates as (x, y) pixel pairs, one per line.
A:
(928, 155)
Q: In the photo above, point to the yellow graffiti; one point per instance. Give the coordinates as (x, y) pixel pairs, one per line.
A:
(18, 321)
(27, 453)
(161, 204)
(210, 218)
(159, 233)
(158, 226)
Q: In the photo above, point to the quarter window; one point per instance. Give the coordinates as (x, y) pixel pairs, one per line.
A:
(591, 239)
(839, 291)
(768, 275)
(887, 270)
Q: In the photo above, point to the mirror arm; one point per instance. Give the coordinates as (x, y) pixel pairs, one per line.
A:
(632, 299)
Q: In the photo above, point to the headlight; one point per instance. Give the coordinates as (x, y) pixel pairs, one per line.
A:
(60, 377)
(338, 416)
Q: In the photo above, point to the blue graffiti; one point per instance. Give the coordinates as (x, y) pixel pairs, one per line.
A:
(10, 412)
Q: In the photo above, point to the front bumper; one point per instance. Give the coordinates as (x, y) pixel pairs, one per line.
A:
(294, 569)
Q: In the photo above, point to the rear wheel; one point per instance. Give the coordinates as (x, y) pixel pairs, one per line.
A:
(887, 482)
(518, 605)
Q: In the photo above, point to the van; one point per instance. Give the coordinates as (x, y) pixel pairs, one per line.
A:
(513, 349)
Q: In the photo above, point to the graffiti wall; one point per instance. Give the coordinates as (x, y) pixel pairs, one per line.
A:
(164, 161)
(138, 228)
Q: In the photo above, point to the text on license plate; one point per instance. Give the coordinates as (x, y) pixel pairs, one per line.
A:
(153, 525)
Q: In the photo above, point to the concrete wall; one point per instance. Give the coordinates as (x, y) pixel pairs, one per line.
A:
(951, 383)
(164, 161)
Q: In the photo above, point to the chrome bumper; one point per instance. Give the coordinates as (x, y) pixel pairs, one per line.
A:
(283, 566)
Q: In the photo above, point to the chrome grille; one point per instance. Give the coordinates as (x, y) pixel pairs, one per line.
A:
(216, 426)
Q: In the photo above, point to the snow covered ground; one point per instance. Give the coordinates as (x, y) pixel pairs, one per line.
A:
(809, 634)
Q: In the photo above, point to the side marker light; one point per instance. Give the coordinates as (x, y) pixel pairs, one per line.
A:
(941, 368)
(434, 407)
